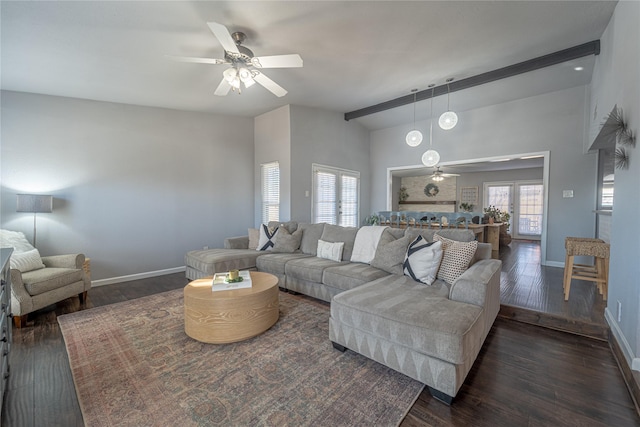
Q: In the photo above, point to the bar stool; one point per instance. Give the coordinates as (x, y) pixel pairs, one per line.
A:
(597, 273)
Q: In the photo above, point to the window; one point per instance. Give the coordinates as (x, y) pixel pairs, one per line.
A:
(336, 196)
(270, 192)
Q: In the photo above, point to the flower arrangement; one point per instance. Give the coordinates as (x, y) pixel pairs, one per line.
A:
(498, 215)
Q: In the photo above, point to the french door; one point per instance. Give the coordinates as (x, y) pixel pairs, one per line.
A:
(336, 194)
(525, 203)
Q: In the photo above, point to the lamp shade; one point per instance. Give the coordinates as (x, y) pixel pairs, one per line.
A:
(414, 138)
(448, 120)
(35, 203)
(430, 158)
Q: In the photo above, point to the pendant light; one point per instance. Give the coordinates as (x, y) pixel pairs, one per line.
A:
(414, 137)
(448, 119)
(431, 157)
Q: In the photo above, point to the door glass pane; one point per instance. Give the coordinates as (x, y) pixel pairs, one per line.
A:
(349, 201)
(500, 197)
(531, 204)
(325, 197)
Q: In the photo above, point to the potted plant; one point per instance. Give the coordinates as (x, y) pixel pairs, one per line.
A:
(466, 207)
(372, 219)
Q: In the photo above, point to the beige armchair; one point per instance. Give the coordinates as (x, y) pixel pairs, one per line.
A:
(62, 277)
(54, 279)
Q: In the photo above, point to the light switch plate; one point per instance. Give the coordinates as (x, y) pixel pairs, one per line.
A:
(567, 194)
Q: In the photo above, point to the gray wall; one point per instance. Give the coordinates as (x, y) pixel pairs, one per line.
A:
(135, 188)
(324, 137)
(273, 143)
(553, 121)
(615, 81)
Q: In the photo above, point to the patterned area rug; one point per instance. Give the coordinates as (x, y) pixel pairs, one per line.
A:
(133, 365)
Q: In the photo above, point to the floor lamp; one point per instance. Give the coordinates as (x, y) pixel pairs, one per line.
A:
(35, 203)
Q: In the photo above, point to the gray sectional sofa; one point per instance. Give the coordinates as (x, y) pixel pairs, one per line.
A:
(432, 333)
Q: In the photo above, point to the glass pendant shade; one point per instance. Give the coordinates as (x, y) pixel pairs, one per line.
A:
(230, 74)
(430, 158)
(414, 138)
(448, 120)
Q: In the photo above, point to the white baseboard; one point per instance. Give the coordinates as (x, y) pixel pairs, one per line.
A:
(129, 278)
(627, 351)
(553, 264)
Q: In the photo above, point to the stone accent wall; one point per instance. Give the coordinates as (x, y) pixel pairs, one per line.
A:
(442, 191)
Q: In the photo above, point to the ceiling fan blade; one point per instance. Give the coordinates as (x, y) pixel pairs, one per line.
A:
(223, 88)
(277, 61)
(223, 36)
(270, 85)
(450, 174)
(197, 60)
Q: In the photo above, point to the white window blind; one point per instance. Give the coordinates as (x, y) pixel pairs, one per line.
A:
(335, 196)
(270, 192)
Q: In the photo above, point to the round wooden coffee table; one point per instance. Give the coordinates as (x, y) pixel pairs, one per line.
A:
(229, 316)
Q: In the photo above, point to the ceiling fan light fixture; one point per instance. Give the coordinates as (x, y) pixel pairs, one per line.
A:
(430, 158)
(438, 178)
(449, 119)
(230, 74)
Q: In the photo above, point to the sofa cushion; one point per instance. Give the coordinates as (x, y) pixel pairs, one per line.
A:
(423, 260)
(286, 241)
(274, 263)
(37, 282)
(212, 261)
(391, 252)
(310, 235)
(291, 226)
(407, 313)
(267, 238)
(26, 261)
(254, 238)
(456, 259)
(427, 233)
(459, 235)
(309, 269)
(336, 233)
(351, 275)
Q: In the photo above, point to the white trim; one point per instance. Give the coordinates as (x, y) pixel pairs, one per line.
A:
(137, 276)
(554, 264)
(633, 362)
(545, 183)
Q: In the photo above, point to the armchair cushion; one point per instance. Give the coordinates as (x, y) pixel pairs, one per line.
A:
(64, 261)
(37, 282)
(27, 261)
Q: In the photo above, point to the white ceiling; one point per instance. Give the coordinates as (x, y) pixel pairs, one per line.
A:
(355, 53)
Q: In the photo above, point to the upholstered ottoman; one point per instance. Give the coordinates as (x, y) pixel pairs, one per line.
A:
(207, 262)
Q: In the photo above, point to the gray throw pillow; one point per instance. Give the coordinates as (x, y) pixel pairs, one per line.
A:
(336, 233)
(291, 226)
(390, 255)
(427, 233)
(310, 235)
(287, 242)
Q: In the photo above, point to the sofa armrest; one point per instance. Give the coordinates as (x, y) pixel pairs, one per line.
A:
(477, 283)
(64, 261)
(240, 242)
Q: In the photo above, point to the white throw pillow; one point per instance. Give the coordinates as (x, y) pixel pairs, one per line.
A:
(328, 250)
(26, 261)
(15, 240)
(267, 238)
(422, 260)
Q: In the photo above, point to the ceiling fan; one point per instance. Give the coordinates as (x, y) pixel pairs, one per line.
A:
(245, 68)
(438, 175)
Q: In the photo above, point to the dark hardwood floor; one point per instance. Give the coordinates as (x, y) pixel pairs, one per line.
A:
(524, 375)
